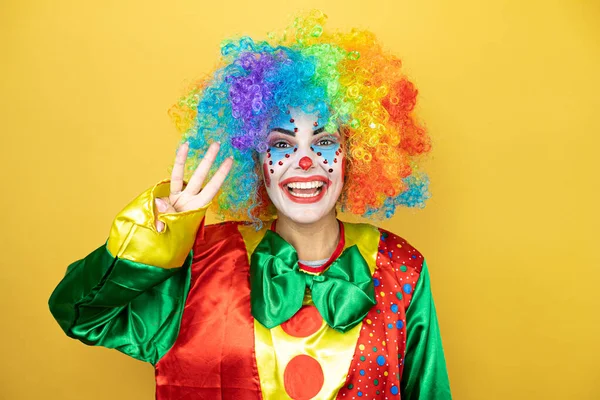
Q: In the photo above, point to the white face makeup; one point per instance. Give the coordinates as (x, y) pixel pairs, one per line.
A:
(303, 167)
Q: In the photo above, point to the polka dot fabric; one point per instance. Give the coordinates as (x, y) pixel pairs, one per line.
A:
(376, 368)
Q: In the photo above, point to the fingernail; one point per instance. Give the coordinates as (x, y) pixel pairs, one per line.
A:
(160, 226)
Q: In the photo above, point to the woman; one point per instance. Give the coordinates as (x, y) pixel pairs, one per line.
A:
(303, 306)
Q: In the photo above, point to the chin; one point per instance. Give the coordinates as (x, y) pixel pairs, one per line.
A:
(305, 212)
(305, 216)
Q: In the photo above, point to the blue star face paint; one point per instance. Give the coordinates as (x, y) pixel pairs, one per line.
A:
(328, 149)
(281, 149)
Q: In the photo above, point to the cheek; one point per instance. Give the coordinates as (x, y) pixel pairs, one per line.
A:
(267, 174)
(278, 160)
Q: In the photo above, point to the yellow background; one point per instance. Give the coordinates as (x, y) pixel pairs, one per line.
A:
(509, 90)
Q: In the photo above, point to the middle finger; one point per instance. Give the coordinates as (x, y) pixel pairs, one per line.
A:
(197, 179)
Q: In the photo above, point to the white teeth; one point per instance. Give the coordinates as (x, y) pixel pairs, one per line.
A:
(305, 185)
(303, 194)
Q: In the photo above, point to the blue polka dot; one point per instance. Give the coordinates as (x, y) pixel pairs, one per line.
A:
(399, 324)
(381, 361)
(376, 282)
(381, 251)
(390, 255)
(362, 372)
(359, 394)
(407, 288)
(390, 326)
(394, 390)
(394, 308)
(414, 256)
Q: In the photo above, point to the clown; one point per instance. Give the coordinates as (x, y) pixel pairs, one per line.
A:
(284, 301)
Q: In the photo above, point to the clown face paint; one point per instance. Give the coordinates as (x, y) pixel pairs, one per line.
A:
(303, 167)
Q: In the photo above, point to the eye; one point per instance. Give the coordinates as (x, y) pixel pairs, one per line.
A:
(326, 142)
(281, 145)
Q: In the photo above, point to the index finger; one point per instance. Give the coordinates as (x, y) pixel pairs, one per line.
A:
(179, 168)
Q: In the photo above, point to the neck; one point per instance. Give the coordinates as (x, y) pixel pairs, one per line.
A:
(314, 241)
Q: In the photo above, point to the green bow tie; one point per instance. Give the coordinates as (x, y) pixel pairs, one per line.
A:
(343, 294)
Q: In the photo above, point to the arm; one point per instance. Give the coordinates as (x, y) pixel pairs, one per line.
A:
(129, 294)
(424, 375)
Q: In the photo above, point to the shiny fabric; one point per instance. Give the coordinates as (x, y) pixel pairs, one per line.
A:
(389, 362)
(134, 232)
(343, 294)
(275, 348)
(213, 357)
(424, 375)
(120, 304)
(333, 350)
(216, 350)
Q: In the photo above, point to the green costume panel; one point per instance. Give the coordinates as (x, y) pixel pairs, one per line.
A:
(424, 375)
(120, 304)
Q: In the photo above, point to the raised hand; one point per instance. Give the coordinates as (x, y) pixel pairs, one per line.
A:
(194, 195)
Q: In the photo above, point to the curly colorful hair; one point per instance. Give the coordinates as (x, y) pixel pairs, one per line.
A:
(354, 84)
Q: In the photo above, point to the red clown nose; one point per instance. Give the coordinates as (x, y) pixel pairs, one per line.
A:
(305, 163)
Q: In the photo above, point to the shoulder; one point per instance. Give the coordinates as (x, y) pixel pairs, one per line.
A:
(401, 261)
(229, 235)
(212, 235)
(393, 251)
(398, 253)
(211, 232)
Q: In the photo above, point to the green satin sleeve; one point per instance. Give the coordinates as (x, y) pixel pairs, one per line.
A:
(120, 304)
(424, 376)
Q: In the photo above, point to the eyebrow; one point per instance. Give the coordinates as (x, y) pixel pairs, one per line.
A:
(284, 131)
(292, 133)
(317, 131)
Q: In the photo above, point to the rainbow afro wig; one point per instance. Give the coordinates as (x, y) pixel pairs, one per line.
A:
(356, 86)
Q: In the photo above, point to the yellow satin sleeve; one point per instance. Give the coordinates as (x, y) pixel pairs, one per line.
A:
(134, 237)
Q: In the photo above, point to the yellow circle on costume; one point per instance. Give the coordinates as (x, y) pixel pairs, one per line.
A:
(383, 343)
(399, 245)
(369, 322)
(371, 334)
(362, 347)
(382, 294)
(385, 373)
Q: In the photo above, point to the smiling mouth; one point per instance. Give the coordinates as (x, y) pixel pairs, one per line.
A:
(305, 189)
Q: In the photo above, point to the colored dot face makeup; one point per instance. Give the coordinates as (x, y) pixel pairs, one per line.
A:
(302, 166)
